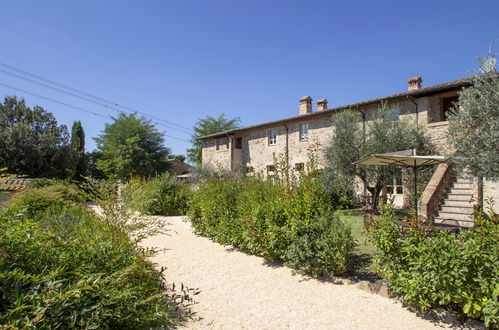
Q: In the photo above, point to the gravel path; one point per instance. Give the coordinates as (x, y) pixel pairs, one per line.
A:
(239, 291)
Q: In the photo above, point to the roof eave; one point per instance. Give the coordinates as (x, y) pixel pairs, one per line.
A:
(426, 91)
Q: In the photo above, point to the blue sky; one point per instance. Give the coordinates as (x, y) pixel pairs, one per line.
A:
(182, 60)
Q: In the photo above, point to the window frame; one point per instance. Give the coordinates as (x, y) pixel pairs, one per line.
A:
(396, 187)
(272, 140)
(238, 143)
(303, 132)
(299, 167)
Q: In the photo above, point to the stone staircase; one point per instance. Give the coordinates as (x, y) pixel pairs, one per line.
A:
(457, 207)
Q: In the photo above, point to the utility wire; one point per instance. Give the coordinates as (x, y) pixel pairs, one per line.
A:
(55, 101)
(109, 104)
(74, 107)
(83, 98)
(83, 59)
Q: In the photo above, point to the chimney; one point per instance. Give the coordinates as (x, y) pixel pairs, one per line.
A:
(322, 104)
(305, 105)
(414, 83)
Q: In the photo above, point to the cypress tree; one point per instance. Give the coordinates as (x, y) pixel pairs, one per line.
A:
(78, 149)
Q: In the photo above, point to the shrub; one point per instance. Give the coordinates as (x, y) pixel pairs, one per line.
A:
(213, 208)
(321, 247)
(62, 266)
(160, 195)
(432, 267)
(40, 199)
(286, 221)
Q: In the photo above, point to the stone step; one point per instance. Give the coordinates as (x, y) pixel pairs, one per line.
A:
(461, 180)
(462, 185)
(460, 191)
(457, 209)
(457, 202)
(455, 215)
(458, 222)
(459, 197)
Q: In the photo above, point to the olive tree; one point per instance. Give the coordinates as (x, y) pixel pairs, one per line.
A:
(354, 140)
(474, 128)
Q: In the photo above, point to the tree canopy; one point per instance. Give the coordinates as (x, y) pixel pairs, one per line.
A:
(206, 126)
(474, 128)
(131, 145)
(31, 140)
(351, 142)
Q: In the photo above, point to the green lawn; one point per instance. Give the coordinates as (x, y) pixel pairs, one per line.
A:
(354, 219)
(361, 266)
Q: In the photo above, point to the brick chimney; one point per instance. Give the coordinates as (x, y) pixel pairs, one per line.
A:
(305, 105)
(414, 83)
(322, 104)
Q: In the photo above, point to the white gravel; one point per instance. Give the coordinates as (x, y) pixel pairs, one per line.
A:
(238, 291)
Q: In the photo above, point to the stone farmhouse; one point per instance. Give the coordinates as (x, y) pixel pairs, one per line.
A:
(253, 149)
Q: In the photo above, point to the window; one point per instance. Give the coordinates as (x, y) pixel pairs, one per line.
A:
(303, 132)
(299, 166)
(249, 169)
(447, 105)
(396, 114)
(395, 186)
(272, 137)
(222, 143)
(239, 143)
(271, 172)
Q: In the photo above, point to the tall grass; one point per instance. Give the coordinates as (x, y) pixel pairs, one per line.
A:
(160, 195)
(62, 266)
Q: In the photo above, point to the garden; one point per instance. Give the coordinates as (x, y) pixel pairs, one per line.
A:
(62, 266)
(297, 223)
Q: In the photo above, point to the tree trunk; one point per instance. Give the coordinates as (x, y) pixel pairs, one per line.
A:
(375, 192)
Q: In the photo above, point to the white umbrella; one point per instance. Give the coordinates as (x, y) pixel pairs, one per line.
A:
(404, 158)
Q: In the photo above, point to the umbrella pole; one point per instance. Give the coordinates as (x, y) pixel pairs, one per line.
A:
(415, 171)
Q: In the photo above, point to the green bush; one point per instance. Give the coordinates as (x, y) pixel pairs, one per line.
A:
(160, 195)
(321, 247)
(432, 267)
(290, 222)
(61, 266)
(39, 199)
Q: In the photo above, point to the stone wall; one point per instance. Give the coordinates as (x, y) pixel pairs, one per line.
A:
(258, 154)
(221, 158)
(491, 191)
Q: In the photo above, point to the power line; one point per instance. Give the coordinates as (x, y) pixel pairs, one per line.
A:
(110, 104)
(83, 59)
(83, 98)
(55, 101)
(74, 107)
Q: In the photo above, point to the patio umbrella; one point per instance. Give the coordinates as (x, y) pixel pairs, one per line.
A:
(404, 158)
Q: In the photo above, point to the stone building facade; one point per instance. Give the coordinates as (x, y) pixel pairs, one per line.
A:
(254, 149)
